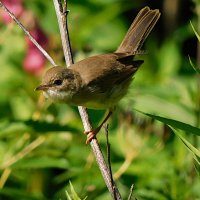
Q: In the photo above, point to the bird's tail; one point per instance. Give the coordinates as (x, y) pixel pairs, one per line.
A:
(139, 31)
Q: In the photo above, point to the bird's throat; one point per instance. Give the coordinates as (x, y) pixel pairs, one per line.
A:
(58, 96)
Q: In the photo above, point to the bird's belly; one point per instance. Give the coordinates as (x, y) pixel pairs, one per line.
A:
(108, 99)
(98, 105)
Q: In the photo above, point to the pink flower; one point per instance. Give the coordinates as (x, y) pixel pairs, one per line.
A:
(14, 6)
(39, 36)
(34, 61)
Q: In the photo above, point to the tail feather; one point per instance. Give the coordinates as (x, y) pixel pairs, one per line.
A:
(139, 31)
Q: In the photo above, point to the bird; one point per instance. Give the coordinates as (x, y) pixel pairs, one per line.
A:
(101, 81)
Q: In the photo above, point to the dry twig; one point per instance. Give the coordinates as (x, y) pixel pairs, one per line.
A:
(48, 57)
(109, 161)
(83, 112)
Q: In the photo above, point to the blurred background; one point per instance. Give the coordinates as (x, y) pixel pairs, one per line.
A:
(42, 145)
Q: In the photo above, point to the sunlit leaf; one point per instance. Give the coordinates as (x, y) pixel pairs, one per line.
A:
(68, 196)
(193, 66)
(41, 162)
(194, 150)
(197, 35)
(74, 195)
(17, 193)
(42, 126)
(176, 124)
(31, 125)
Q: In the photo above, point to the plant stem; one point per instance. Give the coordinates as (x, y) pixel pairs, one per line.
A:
(62, 22)
(83, 112)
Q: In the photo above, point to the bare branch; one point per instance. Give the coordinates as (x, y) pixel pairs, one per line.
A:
(109, 161)
(83, 112)
(48, 57)
(62, 22)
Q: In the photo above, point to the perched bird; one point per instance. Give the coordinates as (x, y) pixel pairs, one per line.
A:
(99, 82)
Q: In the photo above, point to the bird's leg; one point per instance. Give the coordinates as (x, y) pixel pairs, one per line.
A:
(91, 134)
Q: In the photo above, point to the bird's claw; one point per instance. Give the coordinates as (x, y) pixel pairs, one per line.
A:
(91, 134)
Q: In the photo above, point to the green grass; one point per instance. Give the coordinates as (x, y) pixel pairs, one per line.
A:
(154, 133)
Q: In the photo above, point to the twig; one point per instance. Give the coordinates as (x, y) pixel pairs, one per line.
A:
(83, 112)
(109, 160)
(62, 22)
(48, 57)
(131, 192)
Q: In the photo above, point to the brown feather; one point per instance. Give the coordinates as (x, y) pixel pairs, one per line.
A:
(100, 81)
(139, 30)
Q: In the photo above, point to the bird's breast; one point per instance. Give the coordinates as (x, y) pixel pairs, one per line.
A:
(58, 96)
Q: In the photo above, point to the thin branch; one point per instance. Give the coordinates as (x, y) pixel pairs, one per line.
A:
(48, 57)
(109, 160)
(62, 22)
(83, 112)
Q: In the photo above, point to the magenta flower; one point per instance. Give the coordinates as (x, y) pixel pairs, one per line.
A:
(14, 6)
(34, 61)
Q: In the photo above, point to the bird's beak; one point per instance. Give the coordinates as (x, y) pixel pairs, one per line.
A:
(42, 87)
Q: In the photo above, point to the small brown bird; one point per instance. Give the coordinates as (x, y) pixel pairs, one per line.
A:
(99, 82)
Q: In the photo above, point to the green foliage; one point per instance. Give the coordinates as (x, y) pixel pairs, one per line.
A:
(197, 35)
(73, 196)
(42, 146)
(177, 124)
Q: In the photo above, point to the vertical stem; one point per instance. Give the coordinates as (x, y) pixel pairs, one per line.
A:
(83, 112)
(198, 65)
(198, 78)
(62, 22)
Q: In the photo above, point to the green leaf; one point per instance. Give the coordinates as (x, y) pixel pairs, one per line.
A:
(13, 127)
(43, 126)
(74, 195)
(68, 196)
(197, 35)
(194, 150)
(160, 103)
(176, 124)
(170, 60)
(150, 194)
(194, 67)
(41, 162)
(18, 193)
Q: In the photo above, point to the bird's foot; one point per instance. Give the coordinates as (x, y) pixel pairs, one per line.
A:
(92, 134)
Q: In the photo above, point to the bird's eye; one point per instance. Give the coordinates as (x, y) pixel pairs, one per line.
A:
(57, 82)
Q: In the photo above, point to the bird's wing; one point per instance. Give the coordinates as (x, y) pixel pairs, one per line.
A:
(104, 71)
